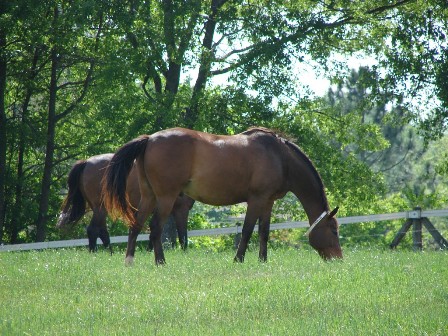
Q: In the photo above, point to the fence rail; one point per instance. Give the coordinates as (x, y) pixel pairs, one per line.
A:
(231, 230)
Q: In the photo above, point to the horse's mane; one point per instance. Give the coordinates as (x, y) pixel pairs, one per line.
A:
(288, 141)
(275, 133)
(296, 149)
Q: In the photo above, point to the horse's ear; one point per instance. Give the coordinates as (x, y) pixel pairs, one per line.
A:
(331, 215)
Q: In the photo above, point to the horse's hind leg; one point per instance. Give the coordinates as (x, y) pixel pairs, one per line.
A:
(163, 210)
(132, 241)
(145, 208)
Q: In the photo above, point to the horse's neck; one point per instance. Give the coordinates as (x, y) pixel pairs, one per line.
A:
(306, 185)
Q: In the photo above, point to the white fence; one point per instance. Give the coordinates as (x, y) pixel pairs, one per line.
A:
(230, 230)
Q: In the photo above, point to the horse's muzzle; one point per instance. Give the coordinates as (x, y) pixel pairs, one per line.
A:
(331, 253)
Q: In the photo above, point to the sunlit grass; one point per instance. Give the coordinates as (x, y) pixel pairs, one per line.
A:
(72, 292)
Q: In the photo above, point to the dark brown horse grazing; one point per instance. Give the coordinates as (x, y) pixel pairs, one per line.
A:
(84, 186)
(256, 166)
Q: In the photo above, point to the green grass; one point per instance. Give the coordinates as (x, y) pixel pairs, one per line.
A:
(72, 292)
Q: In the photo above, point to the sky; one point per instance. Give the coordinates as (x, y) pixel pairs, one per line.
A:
(309, 72)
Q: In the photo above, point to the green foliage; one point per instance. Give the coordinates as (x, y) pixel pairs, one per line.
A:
(317, 137)
(378, 132)
(126, 68)
(231, 110)
(212, 244)
(197, 221)
(377, 233)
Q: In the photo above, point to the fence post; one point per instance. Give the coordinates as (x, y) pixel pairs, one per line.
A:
(435, 234)
(417, 229)
(401, 233)
(415, 219)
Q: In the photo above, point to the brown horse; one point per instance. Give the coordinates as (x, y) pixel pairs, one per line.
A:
(84, 187)
(256, 166)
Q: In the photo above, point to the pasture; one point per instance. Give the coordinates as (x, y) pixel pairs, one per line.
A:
(371, 292)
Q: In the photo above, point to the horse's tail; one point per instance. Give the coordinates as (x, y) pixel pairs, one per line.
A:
(74, 204)
(116, 199)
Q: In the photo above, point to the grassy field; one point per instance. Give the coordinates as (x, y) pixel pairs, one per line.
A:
(72, 292)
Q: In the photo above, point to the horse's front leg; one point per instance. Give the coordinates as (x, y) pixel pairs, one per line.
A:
(263, 232)
(105, 238)
(252, 214)
(181, 220)
(92, 235)
(94, 229)
(103, 233)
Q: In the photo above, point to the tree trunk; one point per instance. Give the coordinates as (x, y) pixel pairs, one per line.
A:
(41, 222)
(16, 219)
(18, 211)
(3, 66)
(192, 112)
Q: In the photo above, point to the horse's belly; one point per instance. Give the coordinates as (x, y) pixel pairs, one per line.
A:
(216, 192)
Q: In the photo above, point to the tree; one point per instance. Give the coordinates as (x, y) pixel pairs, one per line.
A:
(395, 153)
(62, 61)
(83, 77)
(51, 56)
(259, 42)
(3, 121)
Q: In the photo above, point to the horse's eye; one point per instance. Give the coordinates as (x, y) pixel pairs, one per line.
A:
(335, 232)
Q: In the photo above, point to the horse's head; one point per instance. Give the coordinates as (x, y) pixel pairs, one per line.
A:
(324, 236)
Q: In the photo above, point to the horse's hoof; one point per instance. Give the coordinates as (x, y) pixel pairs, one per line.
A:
(238, 259)
(129, 261)
(263, 257)
(160, 262)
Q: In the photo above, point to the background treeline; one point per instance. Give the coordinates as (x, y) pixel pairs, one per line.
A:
(82, 77)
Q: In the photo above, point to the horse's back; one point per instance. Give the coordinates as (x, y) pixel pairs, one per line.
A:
(203, 164)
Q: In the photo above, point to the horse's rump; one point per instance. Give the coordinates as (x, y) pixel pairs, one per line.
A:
(74, 204)
(116, 200)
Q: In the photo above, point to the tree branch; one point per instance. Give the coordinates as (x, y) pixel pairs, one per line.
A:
(278, 42)
(168, 28)
(187, 34)
(206, 60)
(88, 78)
